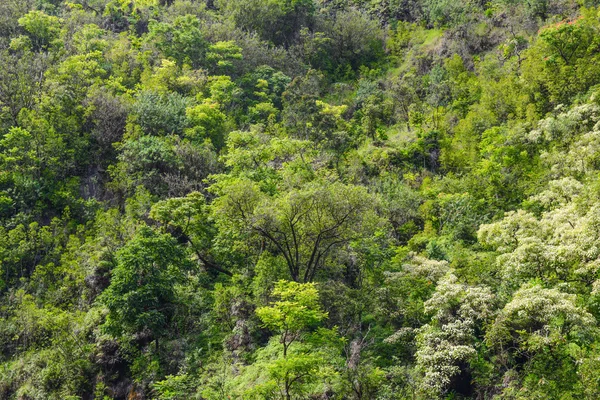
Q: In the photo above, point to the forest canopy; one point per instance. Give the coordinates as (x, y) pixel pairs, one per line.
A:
(299, 199)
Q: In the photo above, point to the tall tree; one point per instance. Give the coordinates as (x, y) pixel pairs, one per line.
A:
(141, 296)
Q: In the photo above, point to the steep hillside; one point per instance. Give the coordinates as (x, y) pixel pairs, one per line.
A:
(299, 199)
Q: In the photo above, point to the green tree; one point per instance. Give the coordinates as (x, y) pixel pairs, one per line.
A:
(181, 40)
(292, 317)
(161, 114)
(562, 61)
(207, 121)
(223, 54)
(297, 310)
(277, 21)
(188, 219)
(356, 39)
(540, 330)
(42, 29)
(21, 77)
(307, 226)
(141, 296)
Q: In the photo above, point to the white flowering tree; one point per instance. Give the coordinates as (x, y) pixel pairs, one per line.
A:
(560, 246)
(537, 336)
(449, 342)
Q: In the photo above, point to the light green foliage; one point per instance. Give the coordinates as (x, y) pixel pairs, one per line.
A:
(266, 84)
(456, 215)
(260, 156)
(172, 388)
(223, 54)
(42, 29)
(27, 246)
(223, 90)
(187, 218)
(145, 162)
(299, 199)
(90, 38)
(168, 77)
(58, 358)
(34, 159)
(565, 57)
(295, 313)
(187, 214)
(207, 122)
(297, 310)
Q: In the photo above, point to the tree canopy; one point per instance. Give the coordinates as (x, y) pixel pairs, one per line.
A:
(299, 199)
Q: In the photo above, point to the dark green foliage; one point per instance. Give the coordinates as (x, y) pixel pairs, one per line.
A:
(141, 295)
(181, 40)
(278, 21)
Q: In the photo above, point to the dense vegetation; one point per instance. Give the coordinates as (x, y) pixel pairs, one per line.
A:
(299, 199)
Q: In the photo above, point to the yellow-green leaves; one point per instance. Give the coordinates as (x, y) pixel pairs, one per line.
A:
(296, 310)
(42, 29)
(223, 54)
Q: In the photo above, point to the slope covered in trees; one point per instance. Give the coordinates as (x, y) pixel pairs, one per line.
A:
(299, 199)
